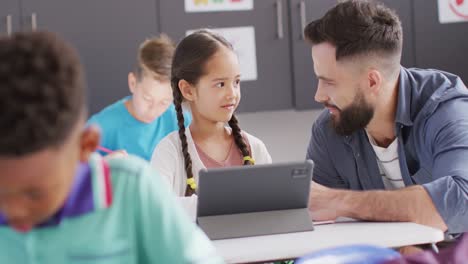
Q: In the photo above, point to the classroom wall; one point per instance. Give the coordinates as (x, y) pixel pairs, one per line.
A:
(278, 60)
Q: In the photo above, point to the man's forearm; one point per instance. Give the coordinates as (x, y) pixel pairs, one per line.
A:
(412, 204)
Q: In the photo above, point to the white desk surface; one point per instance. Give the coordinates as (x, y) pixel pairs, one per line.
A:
(294, 245)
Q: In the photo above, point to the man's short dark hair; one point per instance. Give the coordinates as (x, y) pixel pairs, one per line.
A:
(42, 92)
(358, 27)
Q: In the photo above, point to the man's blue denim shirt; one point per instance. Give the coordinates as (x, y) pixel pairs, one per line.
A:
(431, 124)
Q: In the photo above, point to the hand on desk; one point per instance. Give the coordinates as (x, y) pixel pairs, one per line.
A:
(410, 204)
(321, 203)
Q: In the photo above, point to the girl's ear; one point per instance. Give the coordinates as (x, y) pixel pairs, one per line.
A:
(187, 90)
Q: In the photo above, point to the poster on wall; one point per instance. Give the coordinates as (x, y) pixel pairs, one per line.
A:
(453, 11)
(243, 41)
(192, 6)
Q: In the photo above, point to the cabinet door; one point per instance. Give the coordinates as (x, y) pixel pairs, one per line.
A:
(305, 11)
(305, 83)
(441, 46)
(272, 87)
(9, 16)
(106, 33)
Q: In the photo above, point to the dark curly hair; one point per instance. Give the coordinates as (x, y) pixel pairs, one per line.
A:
(42, 92)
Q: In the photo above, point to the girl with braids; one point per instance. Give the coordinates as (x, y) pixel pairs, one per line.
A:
(59, 201)
(206, 76)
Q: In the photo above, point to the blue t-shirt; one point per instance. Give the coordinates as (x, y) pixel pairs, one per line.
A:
(121, 131)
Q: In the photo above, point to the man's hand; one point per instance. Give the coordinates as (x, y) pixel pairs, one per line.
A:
(322, 203)
(411, 204)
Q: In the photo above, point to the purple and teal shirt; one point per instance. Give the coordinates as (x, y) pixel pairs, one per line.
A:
(118, 211)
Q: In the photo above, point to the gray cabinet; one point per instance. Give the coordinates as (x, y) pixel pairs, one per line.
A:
(440, 46)
(305, 11)
(9, 16)
(272, 88)
(305, 82)
(106, 34)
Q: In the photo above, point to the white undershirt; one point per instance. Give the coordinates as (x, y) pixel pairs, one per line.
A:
(389, 165)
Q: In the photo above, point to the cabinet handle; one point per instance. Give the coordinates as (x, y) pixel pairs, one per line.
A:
(279, 17)
(33, 22)
(302, 11)
(9, 26)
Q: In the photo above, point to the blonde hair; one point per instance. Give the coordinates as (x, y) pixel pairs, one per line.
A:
(155, 57)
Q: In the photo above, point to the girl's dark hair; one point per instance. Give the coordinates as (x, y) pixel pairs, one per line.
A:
(190, 58)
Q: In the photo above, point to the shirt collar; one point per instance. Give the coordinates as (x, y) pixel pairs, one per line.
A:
(79, 201)
(403, 114)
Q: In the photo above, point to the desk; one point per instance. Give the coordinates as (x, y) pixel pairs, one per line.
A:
(294, 245)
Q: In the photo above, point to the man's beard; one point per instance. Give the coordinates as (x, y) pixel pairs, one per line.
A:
(354, 117)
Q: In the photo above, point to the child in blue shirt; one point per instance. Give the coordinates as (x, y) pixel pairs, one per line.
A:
(137, 123)
(59, 201)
